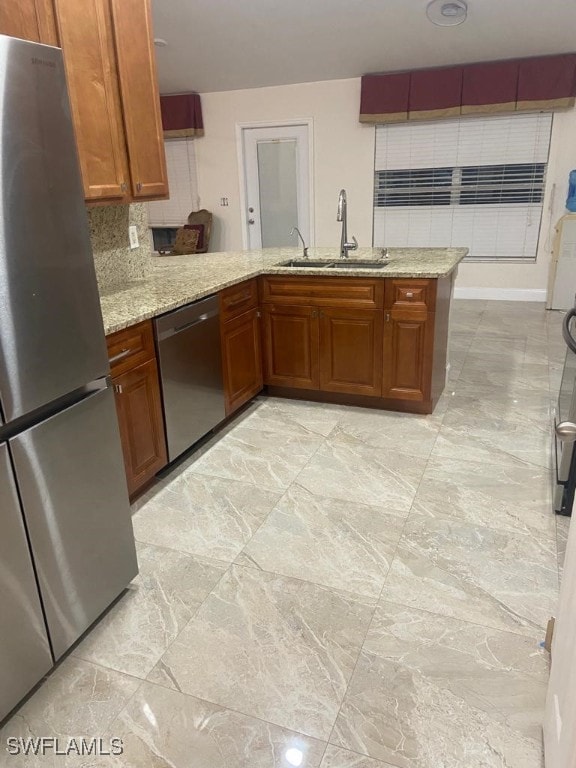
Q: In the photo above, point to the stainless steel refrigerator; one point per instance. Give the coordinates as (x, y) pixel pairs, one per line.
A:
(66, 541)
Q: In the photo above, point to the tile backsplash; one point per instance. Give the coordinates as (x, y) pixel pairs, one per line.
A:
(116, 263)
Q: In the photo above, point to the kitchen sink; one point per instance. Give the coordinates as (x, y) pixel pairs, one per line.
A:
(358, 264)
(340, 264)
(297, 263)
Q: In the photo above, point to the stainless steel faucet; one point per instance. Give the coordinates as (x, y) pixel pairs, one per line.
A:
(342, 216)
(304, 246)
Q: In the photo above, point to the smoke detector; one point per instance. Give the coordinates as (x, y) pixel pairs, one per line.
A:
(447, 13)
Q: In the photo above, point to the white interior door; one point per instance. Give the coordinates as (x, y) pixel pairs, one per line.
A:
(560, 719)
(277, 174)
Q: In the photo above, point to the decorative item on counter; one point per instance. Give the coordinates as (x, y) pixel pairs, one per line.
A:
(186, 242)
(571, 201)
(200, 229)
(203, 219)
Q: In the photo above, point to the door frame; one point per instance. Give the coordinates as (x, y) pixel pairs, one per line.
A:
(240, 128)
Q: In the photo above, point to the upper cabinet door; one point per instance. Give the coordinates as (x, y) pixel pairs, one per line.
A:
(29, 20)
(86, 38)
(139, 88)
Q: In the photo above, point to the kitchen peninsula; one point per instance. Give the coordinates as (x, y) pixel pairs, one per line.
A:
(373, 335)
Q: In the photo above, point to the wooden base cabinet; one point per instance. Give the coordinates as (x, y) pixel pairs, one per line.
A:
(332, 349)
(241, 344)
(242, 359)
(291, 346)
(351, 351)
(408, 350)
(141, 424)
(138, 403)
(379, 343)
(323, 334)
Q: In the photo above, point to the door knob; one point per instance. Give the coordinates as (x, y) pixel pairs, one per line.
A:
(566, 431)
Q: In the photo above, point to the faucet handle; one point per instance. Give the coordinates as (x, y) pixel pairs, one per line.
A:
(304, 246)
(355, 246)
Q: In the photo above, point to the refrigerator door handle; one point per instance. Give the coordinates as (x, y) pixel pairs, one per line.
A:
(566, 332)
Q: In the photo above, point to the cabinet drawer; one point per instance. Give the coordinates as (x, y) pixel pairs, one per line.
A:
(321, 292)
(130, 347)
(411, 294)
(238, 299)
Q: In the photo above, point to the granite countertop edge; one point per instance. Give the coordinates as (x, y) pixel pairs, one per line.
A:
(176, 280)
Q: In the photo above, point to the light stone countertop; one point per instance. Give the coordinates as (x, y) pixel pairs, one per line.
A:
(178, 280)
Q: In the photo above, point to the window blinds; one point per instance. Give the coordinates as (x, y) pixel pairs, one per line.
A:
(472, 182)
(183, 185)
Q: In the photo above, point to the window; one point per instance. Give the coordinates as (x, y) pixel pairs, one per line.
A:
(183, 185)
(474, 182)
(426, 186)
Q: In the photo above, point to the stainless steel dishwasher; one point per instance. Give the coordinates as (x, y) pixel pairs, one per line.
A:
(190, 362)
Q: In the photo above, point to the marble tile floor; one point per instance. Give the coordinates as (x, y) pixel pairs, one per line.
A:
(333, 587)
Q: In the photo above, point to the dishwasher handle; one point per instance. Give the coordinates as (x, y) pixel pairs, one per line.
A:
(181, 328)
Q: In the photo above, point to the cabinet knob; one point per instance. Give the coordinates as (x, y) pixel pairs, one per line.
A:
(139, 187)
(409, 295)
(118, 389)
(123, 186)
(387, 317)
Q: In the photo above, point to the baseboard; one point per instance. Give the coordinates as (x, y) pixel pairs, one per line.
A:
(501, 294)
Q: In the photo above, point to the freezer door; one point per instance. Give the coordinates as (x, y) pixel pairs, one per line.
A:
(70, 474)
(24, 649)
(51, 332)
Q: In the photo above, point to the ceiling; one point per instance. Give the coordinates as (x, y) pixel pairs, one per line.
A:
(221, 45)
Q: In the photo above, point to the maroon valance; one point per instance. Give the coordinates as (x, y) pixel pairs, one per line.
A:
(181, 115)
(385, 98)
(435, 93)
(546, 82)
(490, 87)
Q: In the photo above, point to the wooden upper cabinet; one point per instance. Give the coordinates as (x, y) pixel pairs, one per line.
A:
(29, 19)
(111, 71)
(134, 39)
(85, 31)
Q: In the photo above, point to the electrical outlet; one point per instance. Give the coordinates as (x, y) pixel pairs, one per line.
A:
(133, 235)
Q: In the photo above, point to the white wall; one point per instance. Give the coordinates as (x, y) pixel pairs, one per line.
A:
(343, 154)
(344, 157)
